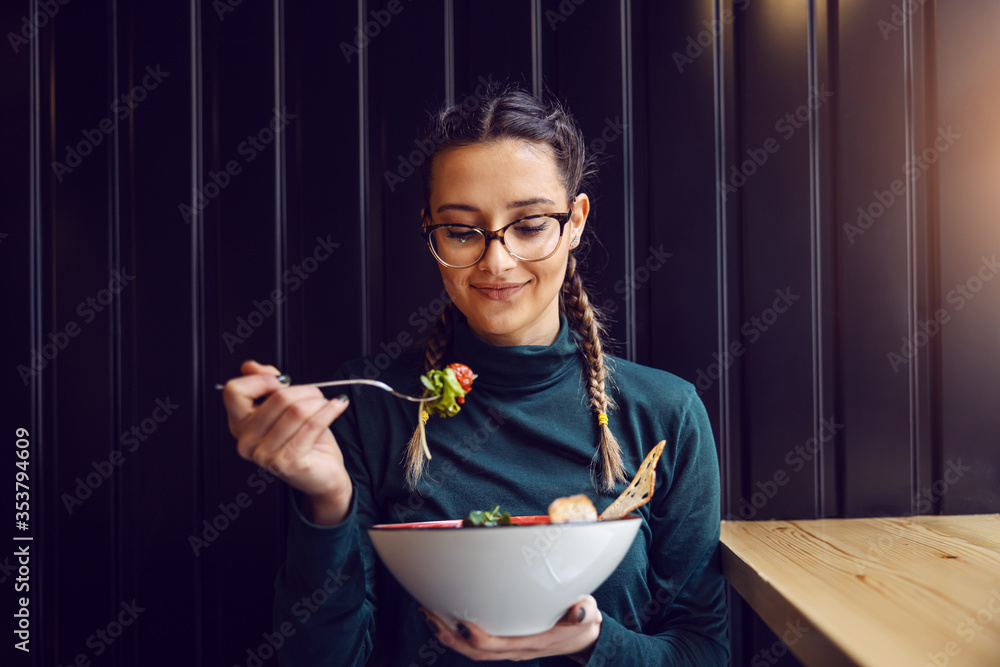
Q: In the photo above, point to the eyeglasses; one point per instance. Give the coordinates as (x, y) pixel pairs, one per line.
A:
(531, 239)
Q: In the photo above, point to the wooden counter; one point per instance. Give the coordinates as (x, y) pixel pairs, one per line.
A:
(894, 592)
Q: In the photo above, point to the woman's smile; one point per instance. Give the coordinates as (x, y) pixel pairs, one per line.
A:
(498, 291)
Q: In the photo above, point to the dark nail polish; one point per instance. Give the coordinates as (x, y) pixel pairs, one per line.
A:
(462, 630)
(432, 625)
(285, 379)
(581, 615)
(342, 397)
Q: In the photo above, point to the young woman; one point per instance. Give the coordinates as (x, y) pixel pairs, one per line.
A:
(550, 414)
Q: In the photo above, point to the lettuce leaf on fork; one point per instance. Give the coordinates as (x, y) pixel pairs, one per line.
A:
(445, 384)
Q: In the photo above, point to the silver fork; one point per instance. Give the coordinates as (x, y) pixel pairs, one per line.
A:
(286, 380)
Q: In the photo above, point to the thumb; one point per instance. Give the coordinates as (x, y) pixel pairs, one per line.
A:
(575, 614)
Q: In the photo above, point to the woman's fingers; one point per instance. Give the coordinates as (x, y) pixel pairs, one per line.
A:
(285, 429)
(278, 418)
(579, 612)
(251, 367)
(295, 434)
(311, 432)
(240, 396)
(576, 631)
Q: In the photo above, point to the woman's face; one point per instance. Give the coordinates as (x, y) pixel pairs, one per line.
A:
(506, 301)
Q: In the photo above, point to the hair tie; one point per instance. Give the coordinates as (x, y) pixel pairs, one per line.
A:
(602, 419)
(424, 416)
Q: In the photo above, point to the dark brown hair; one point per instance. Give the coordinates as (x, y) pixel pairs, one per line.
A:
(506, 111)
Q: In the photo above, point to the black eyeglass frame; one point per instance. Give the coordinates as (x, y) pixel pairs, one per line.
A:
(561, 218)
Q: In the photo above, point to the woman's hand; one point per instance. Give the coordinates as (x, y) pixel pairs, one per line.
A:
(573, 636)
(289, 435)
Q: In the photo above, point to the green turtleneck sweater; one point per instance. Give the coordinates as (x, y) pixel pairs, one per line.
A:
(524, 436)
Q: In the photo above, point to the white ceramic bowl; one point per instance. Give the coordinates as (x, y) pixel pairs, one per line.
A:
(509, 580)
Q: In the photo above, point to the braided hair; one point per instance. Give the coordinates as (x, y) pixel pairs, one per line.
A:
(506, 111)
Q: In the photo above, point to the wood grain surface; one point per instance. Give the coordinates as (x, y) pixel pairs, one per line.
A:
(883, 592)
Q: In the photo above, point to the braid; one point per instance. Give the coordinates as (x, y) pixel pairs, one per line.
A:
(437, 344)
(585, 321)
(434, 353)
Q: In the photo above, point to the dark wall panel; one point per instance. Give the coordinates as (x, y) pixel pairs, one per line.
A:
(323, 180)
(775, 287)
(403, 275)
(873, 264)
(81, 385)
(969, 85)
(592, 80)
(162, 478)
(493, 39)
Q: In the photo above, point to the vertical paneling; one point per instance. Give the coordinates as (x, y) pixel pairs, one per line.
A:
(404, 276)
(246, 124)
(162, 364)
(21, 265)
(681, 215)
(969, 84)
(590, 80)
(775, 289)
(493, 41)
(825, 241)
(874, 306)
(79, 387)
(323, 185)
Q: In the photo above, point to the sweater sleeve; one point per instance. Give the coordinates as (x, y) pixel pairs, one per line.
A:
(684, 621)
(324, 603)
